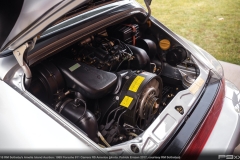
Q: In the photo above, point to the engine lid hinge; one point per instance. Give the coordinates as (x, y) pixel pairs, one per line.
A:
(21, 56)
(148, 3)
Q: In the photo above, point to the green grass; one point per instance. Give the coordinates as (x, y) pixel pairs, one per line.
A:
(211, 24)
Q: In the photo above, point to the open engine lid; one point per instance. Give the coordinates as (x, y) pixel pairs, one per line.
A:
(22, 20)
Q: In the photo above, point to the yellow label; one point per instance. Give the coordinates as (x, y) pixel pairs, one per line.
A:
(194, 88)
(199, 82)
(126, 101)
(136, 83)
(196, 85)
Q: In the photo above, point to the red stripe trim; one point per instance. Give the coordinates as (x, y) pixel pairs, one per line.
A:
(197, 144)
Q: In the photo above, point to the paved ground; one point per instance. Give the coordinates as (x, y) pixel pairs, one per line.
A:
(232, 73)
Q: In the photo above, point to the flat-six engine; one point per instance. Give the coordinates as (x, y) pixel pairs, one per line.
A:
(107, 84)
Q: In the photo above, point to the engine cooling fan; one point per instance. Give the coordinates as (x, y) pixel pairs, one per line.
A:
(148, 104)
(141, 96)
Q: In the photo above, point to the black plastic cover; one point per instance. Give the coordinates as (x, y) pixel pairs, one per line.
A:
(47, 83)
(89, 81)
(176, 56)
(148, 45)
(81, 117)
(141, 60)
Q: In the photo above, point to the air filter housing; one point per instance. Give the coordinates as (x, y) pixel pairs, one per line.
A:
(89, 81)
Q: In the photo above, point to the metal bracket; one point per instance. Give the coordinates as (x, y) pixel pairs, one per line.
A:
(147, 3)
(19, 55)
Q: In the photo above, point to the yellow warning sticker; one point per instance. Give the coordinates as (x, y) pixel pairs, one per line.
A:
(136, 83)
(194, 88)
(196, 85)
(126, 101)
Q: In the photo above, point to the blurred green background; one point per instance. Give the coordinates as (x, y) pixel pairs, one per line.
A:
(213, 25)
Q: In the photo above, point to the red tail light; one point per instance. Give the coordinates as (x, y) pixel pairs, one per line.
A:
(198, 142)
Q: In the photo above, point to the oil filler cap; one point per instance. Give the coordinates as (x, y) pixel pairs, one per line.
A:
(164, 44)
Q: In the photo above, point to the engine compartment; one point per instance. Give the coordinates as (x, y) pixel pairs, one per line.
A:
(113, 84)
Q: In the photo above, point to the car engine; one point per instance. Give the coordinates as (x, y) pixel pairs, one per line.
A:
(109, 84)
